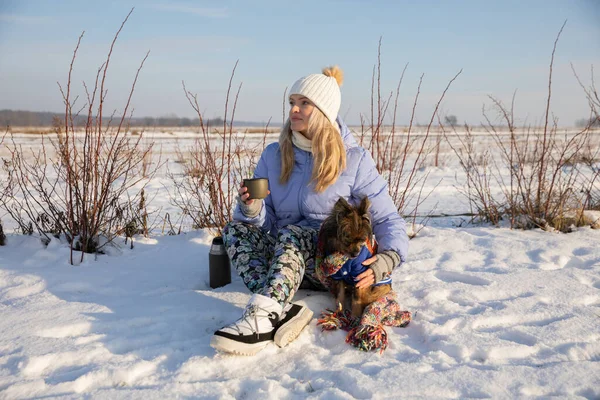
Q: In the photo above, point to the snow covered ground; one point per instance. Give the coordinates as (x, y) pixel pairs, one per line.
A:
(497, 314)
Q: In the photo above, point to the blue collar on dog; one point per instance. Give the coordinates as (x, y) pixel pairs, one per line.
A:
(353, 267)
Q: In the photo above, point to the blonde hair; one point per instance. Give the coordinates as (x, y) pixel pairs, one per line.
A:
(327, 148)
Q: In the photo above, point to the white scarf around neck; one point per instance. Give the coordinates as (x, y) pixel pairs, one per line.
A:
(301, 142)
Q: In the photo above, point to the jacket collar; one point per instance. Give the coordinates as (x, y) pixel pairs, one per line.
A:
(347, 136)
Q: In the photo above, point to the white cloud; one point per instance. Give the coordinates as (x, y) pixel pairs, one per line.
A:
(207, 12)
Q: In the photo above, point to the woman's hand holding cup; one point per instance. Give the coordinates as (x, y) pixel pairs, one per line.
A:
(254, 189)
(243, 192)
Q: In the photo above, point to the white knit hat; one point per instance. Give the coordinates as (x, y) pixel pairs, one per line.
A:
(323, 90)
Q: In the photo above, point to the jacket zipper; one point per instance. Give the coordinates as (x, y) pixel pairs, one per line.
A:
(307, 158)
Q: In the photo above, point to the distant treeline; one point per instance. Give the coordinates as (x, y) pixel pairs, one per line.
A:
(594, 122)
(46, 119)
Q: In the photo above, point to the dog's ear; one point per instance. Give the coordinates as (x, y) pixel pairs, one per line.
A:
(342, 204)
(363, 208)
(341, 207)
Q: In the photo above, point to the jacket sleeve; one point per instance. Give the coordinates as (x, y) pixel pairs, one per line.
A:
(388, 226)
(266, 216)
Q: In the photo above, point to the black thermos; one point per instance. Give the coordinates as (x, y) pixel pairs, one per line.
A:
(218, 263)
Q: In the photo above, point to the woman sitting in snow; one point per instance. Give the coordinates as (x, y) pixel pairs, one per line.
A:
(272, 242)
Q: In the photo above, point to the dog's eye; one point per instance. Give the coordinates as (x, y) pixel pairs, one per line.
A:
(343, 235)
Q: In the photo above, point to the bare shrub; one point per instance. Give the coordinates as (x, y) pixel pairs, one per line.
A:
(539, 171)
(391, 148)
(213, 167)
(437, 146)
(171, 228)
(592, 96)
(591, 185)
(84, 189)
(479, 170)
(137, 219)
(4, 182)
(590, 158)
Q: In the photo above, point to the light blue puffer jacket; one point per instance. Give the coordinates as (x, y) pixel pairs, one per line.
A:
(296, 202)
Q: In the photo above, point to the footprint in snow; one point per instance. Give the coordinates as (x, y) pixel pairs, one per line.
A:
(518, 337)
(451, 277)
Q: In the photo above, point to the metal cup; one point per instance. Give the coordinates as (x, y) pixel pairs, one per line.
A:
(257, 188)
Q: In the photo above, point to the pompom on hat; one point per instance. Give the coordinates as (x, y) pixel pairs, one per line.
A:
(323, 90)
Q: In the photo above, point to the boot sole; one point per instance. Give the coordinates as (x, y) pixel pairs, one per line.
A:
(292, 328)
(226, 345)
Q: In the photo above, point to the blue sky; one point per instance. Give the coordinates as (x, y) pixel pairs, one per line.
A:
(501, 46)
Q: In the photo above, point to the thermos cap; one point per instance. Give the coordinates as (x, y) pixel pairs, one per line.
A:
(217, 246)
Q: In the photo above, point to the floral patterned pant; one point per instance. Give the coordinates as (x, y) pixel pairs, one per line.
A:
(273, 266)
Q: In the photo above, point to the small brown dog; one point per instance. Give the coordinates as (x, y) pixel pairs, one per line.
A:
(347, 231)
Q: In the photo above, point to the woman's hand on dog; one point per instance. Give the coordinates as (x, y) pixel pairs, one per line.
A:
(367, 278)
(244, 195)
